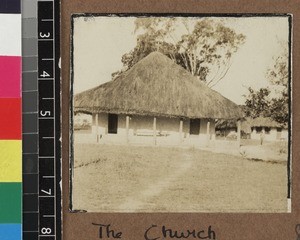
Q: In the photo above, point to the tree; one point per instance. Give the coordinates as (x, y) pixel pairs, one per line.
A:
(204, 47)
(278, 75)
(275, 103)
(257, 103)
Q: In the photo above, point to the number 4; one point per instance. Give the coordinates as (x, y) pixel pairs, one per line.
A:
(45, 74)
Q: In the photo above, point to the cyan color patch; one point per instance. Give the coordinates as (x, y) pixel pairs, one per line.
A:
(10, 231)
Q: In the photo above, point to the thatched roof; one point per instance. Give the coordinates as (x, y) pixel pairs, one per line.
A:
(225, 124)
(263, 122)
(248, 123)
(159, 87)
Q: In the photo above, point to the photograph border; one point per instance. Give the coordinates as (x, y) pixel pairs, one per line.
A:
(229, 15)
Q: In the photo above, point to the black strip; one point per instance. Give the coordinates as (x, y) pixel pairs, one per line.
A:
(45, 10)
(290, 109)
(29, 128)
(29, 143)
(233, 15)
(49, 120)
(10, 6)
(57, 119)
(71, 138)
(30, 236)
(30, 163)
(30, 221)
(31, 184)
(30, 203)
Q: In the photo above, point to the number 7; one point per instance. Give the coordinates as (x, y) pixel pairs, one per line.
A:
(44, 191)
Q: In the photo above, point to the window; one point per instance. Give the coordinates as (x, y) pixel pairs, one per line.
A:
(267, 130)
(258, 129)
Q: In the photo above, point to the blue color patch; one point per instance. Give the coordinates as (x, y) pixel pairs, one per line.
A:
(10, 231)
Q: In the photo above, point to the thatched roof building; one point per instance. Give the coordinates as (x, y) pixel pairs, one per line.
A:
(270, 129)
(248, 123)
(157, 86)
(263, 122)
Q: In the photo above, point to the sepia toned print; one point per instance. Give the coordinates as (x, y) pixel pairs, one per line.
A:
(180, 114)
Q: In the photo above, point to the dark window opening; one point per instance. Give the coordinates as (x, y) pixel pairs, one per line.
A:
(112, 123)
(258, 129)
(194, 126)
(267, 130)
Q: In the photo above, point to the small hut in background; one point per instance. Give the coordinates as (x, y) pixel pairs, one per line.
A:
(226, 129)
(253, 128)
(271, 129)
(155, 102)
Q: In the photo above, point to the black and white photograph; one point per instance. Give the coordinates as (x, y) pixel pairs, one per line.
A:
(180, 113)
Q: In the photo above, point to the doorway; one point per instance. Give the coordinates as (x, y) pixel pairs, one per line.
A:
(112, 123)
(194, 126)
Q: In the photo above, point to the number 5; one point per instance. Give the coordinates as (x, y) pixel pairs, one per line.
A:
(45, 113)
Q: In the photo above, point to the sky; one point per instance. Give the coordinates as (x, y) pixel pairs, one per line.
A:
(100, 42)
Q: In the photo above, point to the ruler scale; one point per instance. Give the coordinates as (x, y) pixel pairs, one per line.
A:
(49, 121)
(41, 128)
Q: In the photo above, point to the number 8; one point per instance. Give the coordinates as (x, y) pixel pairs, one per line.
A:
(46, 230)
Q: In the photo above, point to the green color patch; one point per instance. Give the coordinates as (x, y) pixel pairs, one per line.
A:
(10, 202)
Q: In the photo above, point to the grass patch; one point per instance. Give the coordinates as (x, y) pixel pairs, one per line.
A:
(155, 179)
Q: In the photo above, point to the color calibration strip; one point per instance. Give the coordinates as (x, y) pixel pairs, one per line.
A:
(10, 121)
(41, 121)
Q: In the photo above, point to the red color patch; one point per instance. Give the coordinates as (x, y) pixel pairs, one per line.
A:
(10, 77)
(10, 118)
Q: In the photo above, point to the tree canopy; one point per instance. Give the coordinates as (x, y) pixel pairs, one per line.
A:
(274, 102)
(204, 47)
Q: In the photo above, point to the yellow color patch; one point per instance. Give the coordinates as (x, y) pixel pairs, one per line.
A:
(10, 160)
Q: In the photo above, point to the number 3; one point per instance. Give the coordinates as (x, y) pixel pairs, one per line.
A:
(43, 35)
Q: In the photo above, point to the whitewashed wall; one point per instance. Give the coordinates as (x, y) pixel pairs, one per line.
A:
(273, 135)
(284, 134)
(141, 131)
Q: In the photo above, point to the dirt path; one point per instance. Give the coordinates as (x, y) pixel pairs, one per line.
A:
(137, 201)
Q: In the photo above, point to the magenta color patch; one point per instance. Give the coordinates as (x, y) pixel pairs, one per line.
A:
(10, 77)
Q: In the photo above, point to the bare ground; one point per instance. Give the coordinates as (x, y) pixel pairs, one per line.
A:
(155, 179)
